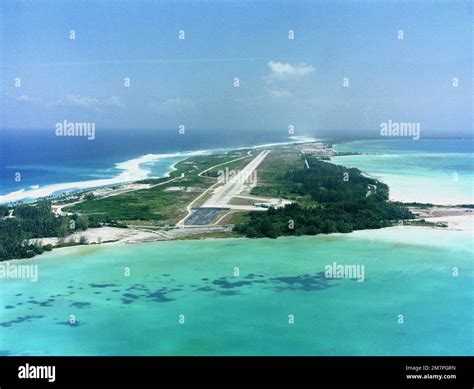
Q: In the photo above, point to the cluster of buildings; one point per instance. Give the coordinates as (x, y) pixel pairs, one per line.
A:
(316, 149)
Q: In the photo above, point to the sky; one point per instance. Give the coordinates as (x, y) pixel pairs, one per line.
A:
(282, 81)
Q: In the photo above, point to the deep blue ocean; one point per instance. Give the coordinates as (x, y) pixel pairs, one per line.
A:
(49, 164)
(44, 159)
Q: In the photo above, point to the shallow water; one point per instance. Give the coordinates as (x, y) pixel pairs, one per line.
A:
(436, 171)
(408, 271)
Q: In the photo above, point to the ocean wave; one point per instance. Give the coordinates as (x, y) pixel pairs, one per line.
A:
(132, 170)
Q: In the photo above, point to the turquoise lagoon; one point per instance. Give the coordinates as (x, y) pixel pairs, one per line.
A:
(438, 171)
(408, 271)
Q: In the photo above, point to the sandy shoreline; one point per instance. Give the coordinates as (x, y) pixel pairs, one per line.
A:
(104, 235)
(446, 217)
(463, 223)
(456, 219)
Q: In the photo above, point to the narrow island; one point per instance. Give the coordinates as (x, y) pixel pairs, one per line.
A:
(254, 193)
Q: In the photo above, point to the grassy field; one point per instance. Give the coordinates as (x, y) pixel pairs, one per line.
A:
(236, 165)
(270, 175)
(157, 206)
(236, 218)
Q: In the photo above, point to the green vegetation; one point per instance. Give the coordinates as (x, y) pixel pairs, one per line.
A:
(210, 235)
(336, 199)
(32, 222)
(329, 198)
(152, 207)
(160, 205)
(271, 181)
(236, 165)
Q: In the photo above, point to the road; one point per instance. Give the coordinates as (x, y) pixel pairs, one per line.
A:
(189, 207)
(224, 193)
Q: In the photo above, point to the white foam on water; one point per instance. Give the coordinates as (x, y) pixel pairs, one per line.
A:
(132, 170)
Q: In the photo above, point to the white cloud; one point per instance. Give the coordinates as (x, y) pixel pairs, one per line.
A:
(287, 71)
(279, 93)
(28, 99)
(87, 102)
(173, 105)
(114, 101)
(82, 101)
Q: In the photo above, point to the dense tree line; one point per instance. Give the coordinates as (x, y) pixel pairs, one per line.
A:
(342, 202)
(38, 221)
(329, 183)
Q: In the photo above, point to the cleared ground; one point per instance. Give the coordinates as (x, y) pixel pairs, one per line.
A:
(235, 185)
(221, 198)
